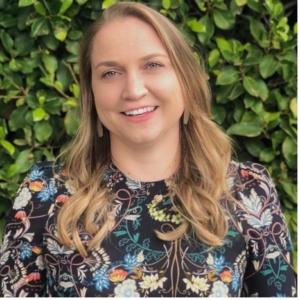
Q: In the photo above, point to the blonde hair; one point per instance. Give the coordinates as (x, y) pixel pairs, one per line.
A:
(205, 149)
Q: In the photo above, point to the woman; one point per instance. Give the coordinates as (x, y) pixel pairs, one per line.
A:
(148, 202)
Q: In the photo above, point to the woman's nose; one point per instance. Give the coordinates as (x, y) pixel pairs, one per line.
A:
(134, 88)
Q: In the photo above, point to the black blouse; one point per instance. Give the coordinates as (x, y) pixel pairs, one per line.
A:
(256, 259)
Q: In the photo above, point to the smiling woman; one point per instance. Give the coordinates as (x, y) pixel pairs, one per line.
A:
(147, 202)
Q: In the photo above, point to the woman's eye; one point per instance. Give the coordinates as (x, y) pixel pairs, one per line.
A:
(153, 65)
(109, 74)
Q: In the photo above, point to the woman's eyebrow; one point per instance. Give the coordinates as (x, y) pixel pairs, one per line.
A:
(108, 63)
(112, 63)
(153, 55)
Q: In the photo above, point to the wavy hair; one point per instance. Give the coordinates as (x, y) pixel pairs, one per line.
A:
(205, 149)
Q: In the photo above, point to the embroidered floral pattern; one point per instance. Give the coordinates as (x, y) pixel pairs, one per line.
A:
(133, 262)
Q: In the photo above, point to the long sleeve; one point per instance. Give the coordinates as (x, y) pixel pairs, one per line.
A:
(22, 269)
(269, 271)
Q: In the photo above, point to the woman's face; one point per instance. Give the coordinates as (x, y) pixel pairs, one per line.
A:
(137, 93)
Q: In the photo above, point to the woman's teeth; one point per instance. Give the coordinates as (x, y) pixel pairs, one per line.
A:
(139, 111)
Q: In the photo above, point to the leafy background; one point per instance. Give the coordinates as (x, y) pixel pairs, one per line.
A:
(249, 54)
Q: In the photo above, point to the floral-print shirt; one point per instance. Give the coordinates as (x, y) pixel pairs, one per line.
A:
(256, 259)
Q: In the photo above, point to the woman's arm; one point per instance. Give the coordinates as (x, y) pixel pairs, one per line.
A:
(22, 270)
(269, 271)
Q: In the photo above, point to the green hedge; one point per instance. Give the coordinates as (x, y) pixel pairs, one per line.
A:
(249, 54)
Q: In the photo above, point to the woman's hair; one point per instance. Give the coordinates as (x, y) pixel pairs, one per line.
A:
(205, 149)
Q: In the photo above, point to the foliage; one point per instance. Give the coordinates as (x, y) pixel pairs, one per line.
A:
(249, 54)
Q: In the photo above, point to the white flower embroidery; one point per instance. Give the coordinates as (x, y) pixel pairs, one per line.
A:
(196, 284)
(219, 290)
(152, 282)
(253, 203)
(209, 259)
(22, 199)
(140, 257)
(126, 289)
(264, 220)
(69, 186)
(40, 262)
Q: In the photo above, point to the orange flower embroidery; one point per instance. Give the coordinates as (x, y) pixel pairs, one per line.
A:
(64, 172)
(21, 214)
(36, 249)
(36, 186)
(62, 198)
(35, 276)
(244, 173)
(118, 275)
(226, 276)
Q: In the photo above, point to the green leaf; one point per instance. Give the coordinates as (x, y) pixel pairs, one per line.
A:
(7, 41)
(259, 32)
(72, 121)
(60, 34)
(50, 63)
(196, 26)
(12, 170)
(205, 37)
(251, 86)
(293, 107)
(218, 113)
(255, 5)
(225, 48)
(267, 155)
(291, 190)
(241, 2)
(40, 27)
(227, 76)
(8, 146)
(223, 19)
(63, 75)
(50, 41)
(65, 5)
(223, 92)
(237, 91)
(107, 3)
(7, 20)
(38, 114)
(17, 118)
(166, 4)
(245, 129)
(76, 91)
(74, 34)
(24, 160)
(25, 2)
(254, 57)
(81, 2)
(263, 90)
(277, 138)
(42, 131)
(254, 146)
(268, 66)
(40, 8)
(289, 148)
(213, 57)
(238, 112)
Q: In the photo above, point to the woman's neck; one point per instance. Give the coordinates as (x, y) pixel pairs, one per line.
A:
(147, 163)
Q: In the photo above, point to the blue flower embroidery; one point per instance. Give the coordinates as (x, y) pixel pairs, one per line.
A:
(130, 262)
(25, 251)
(48, 192)
(101, 279)
(218, 263)
(35, 174)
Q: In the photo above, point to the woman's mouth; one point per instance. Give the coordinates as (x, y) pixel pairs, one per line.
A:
(140, 111)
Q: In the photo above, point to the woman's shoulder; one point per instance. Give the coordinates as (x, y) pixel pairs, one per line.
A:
(44, 184)
(249, 171)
